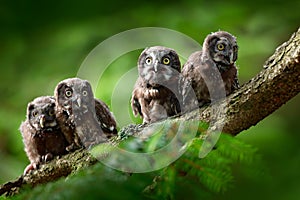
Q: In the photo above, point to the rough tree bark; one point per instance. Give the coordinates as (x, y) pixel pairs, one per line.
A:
(276, 84)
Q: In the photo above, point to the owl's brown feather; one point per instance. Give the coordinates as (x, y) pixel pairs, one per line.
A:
(106, 118)
(204, 68)
(155, 94)
(84, 120)
(42, 136)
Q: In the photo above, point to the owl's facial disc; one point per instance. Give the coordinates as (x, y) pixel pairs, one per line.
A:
(152, 62)
(64, 99)
(73, 99)
(224, 52)
(43, 119)
(221, 54)
(47, 123)
(157, 60)
(81, 102)
(158, 65)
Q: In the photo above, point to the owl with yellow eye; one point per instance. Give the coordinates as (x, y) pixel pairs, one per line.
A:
(204, 69)
(155, 95)
(42, 136)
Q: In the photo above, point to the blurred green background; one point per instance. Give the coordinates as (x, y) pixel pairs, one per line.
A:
(43, 42)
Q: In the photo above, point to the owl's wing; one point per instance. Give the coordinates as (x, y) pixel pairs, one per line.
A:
(105, 117)
(136, 95)
(175, 105)
(136, 106)
(195, 72)
(30, 145)
(186, 83)
(236, 84)
(189, 75)
(190, 72)
(231, 78)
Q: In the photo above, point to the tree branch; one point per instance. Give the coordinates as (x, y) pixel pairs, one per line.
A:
(276, 84)
(55, 169)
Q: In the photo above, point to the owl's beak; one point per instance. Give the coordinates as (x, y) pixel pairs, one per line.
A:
(77, 102)
(42, 121)
(231, 58)
(155, 65)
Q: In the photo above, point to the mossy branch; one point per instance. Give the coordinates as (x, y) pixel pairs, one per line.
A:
(276, 84)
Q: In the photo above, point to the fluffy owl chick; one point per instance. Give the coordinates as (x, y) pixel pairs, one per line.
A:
(203, 69)
(84, 120)
(155, 94)
(41, 134)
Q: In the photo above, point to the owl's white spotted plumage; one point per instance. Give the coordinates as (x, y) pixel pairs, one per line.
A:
(41, 133)
(84, 120)
(155, 94)
(219, 53)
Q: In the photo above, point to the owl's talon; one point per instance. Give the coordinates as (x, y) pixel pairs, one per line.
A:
(153, 93)
(72, 147)
(30, 167)
(47, 157)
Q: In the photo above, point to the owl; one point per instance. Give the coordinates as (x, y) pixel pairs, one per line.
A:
(41, 133)
(84, 120)
(200, 82)
(155, 95)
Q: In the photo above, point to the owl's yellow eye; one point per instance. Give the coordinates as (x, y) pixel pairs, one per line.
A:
(166, 61)
(51, 112)
(220, 47)
(68, 93)
(148, 61)
(84, 93)
(34, 113)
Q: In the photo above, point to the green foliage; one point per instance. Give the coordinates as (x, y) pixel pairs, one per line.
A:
(213, 173)
(202, 177)
(95, 182)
